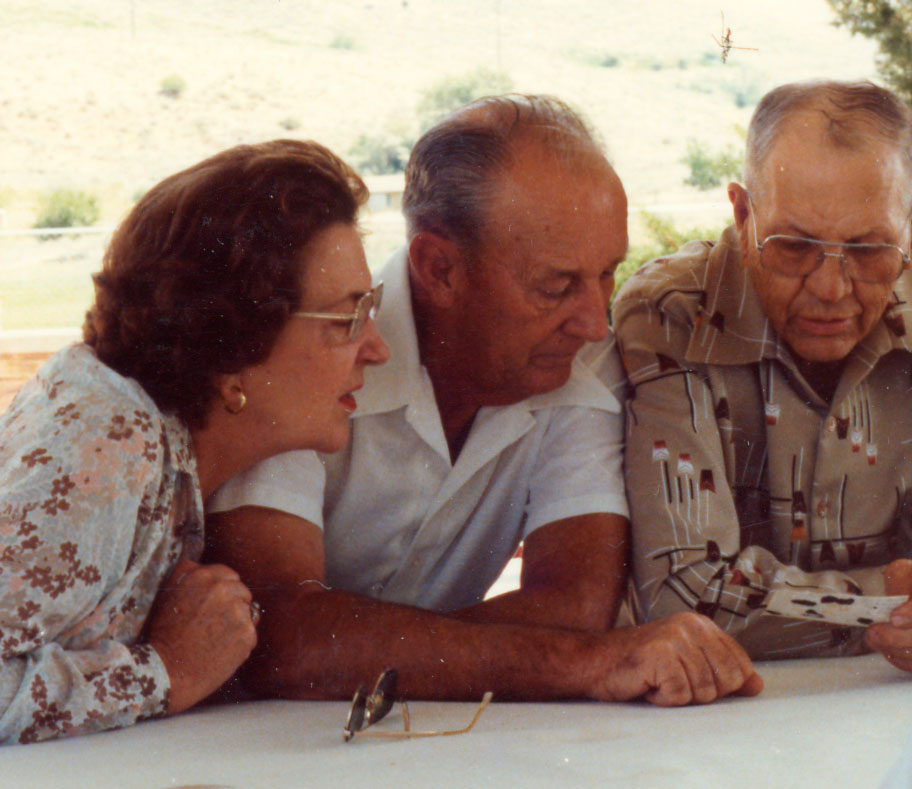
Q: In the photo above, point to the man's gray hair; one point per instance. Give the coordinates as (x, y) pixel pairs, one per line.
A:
(856, 111)
(454, 167)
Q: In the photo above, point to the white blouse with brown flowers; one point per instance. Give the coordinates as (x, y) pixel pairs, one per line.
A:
(99, 498)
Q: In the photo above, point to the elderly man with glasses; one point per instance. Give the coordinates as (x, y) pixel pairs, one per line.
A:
(770, 425)
(494, 423)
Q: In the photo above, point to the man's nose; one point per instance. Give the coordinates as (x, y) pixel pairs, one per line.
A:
(830, 281)
(589, 319)
(374, 349)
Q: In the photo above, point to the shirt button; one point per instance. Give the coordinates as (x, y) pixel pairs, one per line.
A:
(823, 508)
(830, 423)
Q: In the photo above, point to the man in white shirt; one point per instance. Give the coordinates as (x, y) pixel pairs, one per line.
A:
(486, 429)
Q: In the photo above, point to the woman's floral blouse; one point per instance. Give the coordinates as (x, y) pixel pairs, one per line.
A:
(99, 499)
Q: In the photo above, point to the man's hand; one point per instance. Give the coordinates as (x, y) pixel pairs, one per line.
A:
(683, 659)
(894, 640)
(201, 627)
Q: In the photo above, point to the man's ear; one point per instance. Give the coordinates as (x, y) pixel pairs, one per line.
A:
(437, 268)
(737, 195)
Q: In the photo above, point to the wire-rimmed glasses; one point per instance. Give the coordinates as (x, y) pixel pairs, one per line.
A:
(368, 708)
(367, 307)
(796, 256)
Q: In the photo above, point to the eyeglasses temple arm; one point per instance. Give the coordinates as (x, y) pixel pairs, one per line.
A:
(405, 735)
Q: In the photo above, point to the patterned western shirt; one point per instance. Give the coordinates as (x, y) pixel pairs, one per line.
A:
(99, 498)
(740, 477)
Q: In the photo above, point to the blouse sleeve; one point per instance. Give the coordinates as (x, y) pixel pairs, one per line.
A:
(84, 544)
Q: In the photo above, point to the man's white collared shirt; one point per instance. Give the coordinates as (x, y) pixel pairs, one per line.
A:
(403, 524)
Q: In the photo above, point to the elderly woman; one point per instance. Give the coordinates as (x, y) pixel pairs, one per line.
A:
(232, 321)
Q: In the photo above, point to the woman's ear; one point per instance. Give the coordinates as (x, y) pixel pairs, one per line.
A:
(437, 268)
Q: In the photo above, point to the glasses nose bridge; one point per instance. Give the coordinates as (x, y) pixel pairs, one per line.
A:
(823, 254)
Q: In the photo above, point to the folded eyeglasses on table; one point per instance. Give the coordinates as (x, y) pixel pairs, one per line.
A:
(369, 708)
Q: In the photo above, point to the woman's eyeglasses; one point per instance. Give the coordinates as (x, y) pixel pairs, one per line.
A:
(367, 307)
(368, 708)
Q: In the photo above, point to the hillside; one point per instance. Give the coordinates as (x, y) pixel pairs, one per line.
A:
(80, 101)
(83, 103)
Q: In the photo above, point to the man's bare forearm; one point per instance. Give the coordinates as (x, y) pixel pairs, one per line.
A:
(318, 644)
(324, 645)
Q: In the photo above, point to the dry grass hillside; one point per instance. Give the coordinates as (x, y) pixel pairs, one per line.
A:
(81, 102)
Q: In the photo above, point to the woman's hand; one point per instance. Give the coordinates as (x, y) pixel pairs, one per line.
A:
(202, 629)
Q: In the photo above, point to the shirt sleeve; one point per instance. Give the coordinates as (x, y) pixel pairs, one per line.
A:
(580, 462)
(292, 482)
(686, 533)
(77, 489)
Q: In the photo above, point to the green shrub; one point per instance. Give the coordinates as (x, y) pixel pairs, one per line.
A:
(67, 208)
(172, 86)
(598, 59)
(710, 57)
(648, 63)
(342, 41)
(451, 93)
(380, 153)
(290, 124)
(745, 94)
(607, 61)
(708, 170)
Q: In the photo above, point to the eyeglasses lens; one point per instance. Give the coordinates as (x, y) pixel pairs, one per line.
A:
(356, 714)
(381, 699)
(797, 257)
(366, 308)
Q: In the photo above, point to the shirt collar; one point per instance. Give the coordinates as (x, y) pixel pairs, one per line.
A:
(403, 379)
(394, 384)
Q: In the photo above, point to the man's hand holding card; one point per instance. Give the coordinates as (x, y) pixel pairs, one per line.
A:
(893, 639)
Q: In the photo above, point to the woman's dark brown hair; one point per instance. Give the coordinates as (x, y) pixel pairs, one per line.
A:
(204, 272)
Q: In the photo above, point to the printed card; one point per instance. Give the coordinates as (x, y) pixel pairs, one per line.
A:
(838, 609)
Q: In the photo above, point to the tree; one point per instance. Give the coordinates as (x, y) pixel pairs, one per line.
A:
(890, 23)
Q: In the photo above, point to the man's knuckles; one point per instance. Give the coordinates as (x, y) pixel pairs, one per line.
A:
(672, 692)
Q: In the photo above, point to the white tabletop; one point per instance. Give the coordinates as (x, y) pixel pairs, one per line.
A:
(838, 722)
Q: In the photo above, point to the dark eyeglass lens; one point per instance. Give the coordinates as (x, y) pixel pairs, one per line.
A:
(356, 712)
(876, 264)
(381, 699)
(791, 255)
